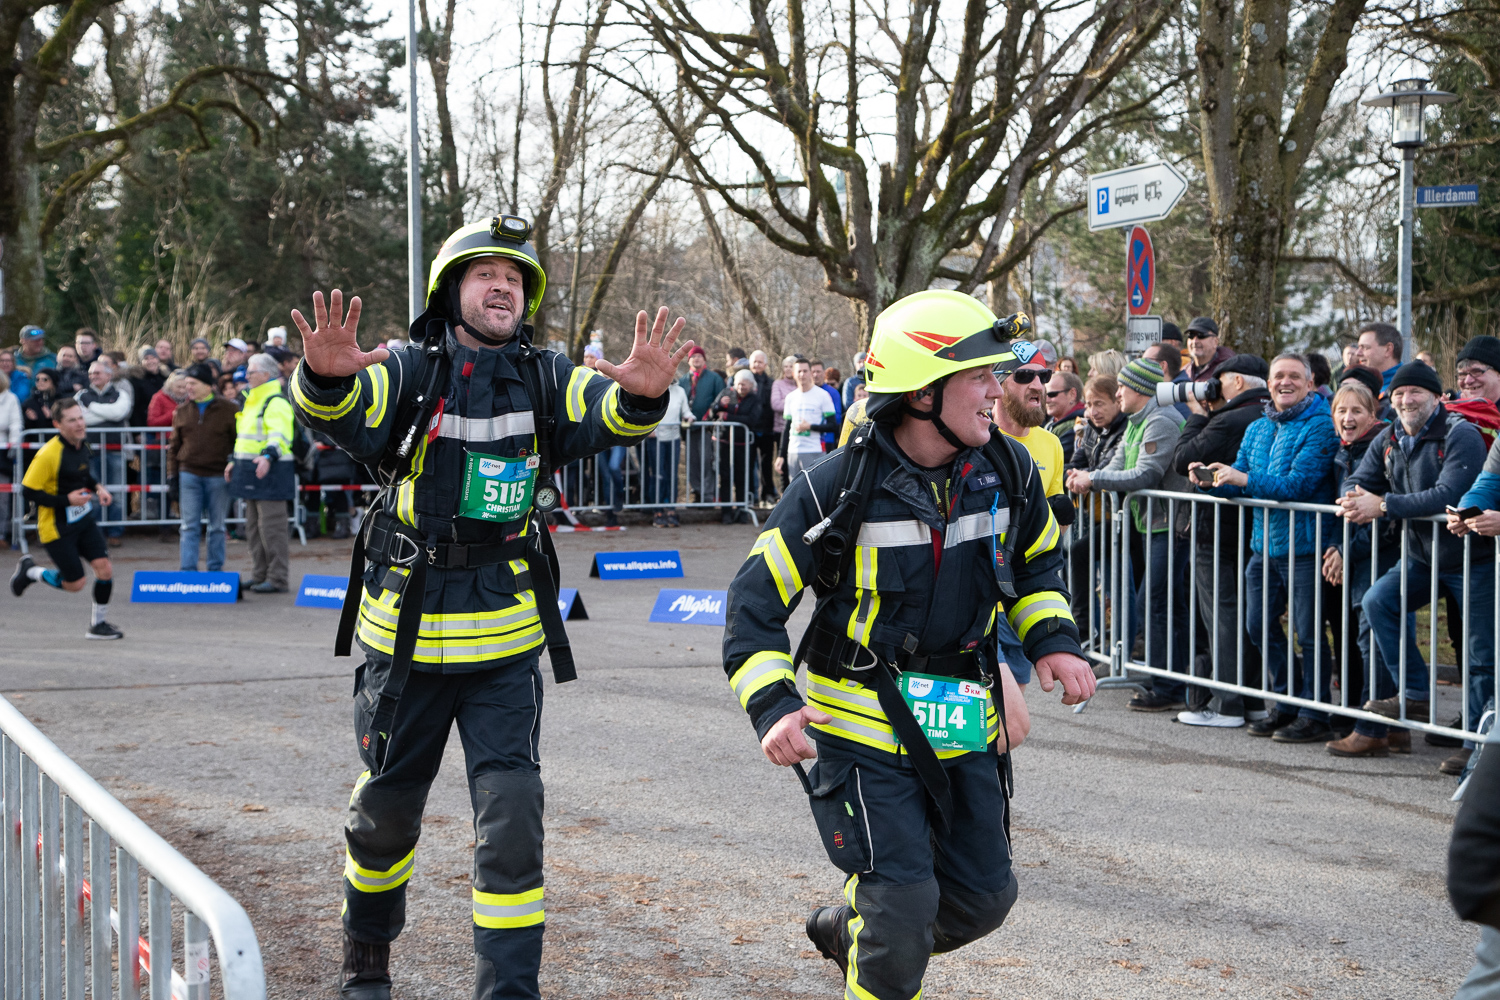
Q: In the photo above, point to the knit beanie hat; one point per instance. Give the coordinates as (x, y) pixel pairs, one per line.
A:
(1484, 349)
(1420, 374)
(1368, 377)
(1142, 374)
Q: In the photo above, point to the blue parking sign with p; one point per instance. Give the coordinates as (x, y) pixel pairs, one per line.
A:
(1102, 196)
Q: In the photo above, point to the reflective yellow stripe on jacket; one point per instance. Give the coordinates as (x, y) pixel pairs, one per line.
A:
(1032, 609)
(456, 638)
(857, 715)
(772, 547)
(761, 670)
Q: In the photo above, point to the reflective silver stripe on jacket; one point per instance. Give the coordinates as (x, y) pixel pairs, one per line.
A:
(474, 429)
(972, 526)
(767, 668)
(895, 534)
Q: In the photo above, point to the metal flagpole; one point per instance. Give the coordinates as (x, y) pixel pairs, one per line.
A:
(413, 173)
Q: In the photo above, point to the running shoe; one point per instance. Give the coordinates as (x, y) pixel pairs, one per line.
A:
(20, 580)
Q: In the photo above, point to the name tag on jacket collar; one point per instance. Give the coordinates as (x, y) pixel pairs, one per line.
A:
(983, 481)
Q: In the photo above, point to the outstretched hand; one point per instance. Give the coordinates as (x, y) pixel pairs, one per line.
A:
(652, 363)
(332, 349)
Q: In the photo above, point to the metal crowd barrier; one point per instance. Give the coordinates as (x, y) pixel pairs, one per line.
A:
(1113, 601)
(48, 952)
(139, 454)
(712, 464)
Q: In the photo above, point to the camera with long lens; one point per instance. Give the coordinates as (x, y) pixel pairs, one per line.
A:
(1208, 391)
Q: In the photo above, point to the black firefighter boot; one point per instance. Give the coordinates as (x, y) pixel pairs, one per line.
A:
(367, 970)
(825, 929)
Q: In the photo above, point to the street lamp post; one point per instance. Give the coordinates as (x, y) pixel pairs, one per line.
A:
(416, 289)
(1407, 100)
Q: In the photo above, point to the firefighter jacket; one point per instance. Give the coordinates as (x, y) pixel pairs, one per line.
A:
(483, 616)
(264, 427)
(920, 582)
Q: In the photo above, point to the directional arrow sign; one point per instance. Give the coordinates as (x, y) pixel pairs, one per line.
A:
(1143, 193)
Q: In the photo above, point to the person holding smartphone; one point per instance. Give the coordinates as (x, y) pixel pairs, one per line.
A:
(1213, 434)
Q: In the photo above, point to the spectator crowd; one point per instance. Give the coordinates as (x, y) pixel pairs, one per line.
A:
(1298, 489)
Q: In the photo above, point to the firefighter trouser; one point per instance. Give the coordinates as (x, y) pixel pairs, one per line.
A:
(499, 721)
(912, 891)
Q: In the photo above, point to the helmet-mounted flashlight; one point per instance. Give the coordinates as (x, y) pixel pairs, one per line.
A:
(511, 227)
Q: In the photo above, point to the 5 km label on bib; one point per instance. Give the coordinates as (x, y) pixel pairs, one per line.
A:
(953, 713)
(498, 489)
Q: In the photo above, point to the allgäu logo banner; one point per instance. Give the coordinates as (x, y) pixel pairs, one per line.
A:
(690, 607)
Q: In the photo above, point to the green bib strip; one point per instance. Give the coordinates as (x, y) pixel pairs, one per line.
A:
(953, 713)
(498, 489)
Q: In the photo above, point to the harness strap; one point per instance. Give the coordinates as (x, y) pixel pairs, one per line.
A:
(408, 625)
(923, 758)
(820, 643)
(541, 561)
(349, 614)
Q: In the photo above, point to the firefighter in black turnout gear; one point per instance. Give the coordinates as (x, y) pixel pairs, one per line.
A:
(453, 583)
(914, 536)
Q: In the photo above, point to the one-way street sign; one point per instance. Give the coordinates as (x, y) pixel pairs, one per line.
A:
(1142, 193)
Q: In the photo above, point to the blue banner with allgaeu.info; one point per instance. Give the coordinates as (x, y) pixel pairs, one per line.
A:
(154, 587)
(317, 591)
(636, 565)
(690, 607)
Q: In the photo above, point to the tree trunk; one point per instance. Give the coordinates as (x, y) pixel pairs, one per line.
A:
(439, 59)
(21, 249)
(1251, 164)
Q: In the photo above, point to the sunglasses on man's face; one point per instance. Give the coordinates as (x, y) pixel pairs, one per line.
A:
(1024, 376)
(1053, 394)
(1199, 335)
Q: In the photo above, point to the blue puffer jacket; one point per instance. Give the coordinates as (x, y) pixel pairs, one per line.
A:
(1289, 457)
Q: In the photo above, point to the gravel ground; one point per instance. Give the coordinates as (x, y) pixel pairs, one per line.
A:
(1154, 860)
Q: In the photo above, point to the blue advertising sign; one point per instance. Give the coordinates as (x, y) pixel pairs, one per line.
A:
(690, 607)
(636, 565)
(322, 591)
(570, 605)
(153, 587)
(1448, 196)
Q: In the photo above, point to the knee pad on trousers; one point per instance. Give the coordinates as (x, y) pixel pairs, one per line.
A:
(507, 831)
(890, 936)
(384, 823)
(965, 917)
(381, 835)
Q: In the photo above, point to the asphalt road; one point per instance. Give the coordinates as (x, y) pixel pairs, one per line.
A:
(1154, 860)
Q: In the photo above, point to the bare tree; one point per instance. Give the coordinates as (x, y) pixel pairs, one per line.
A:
(968, 128)
(566, 126)
(438, 45)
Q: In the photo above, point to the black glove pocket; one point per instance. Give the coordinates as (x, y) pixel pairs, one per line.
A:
(838, 807)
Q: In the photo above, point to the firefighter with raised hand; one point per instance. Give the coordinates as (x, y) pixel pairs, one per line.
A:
(912, 536)
(453, 583)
